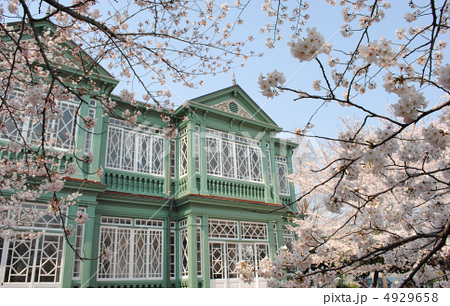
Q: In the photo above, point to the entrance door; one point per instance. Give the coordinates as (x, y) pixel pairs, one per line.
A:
(225, 258)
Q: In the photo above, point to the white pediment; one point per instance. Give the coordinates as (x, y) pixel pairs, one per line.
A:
(233, 107)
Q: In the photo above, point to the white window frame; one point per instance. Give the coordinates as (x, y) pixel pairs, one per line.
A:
(133, 163)
(49, 226)
(133, 233)
(245, 144)
(280, 164)
(27, 128)
(78, 245)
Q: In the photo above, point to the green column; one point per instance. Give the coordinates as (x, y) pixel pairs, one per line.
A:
(69, 254)
(167, 173)
(80, 140)
(273, 166)
(203, 174)
(192, 181)
(99, 140)
(89, 266)
(280, 238)
(166, 254)
(265, 166)
(205, 252)
(273, 247)
(192, 250)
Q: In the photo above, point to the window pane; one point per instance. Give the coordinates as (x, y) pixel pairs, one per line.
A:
(227, 159)
(144, 154)
(114, 148)
(128, 151)
(107, 242)
(157, 155)
(140, 254)
(242, 162)
(255, 164)
(283, 182)
(212, 156)
(64, 127)
(183, 156)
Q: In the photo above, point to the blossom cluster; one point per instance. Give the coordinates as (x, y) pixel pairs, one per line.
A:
(270, 83)
(378, 198)
(308, 48)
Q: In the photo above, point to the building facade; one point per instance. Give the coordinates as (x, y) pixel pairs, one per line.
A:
(180, 212)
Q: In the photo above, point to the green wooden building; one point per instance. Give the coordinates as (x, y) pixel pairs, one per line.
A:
(179, 212)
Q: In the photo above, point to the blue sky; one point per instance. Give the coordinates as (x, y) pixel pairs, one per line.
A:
(282, 109)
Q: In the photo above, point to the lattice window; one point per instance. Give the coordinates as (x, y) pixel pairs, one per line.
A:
(89, 134)
(228, 158)
(49, 259)
(248, 253)
(106, 266)
(262, 251)
(288, 237)
(33, 261)
(217, 261)
(136, 253)
(145, 156)
(223, 229)
(78, 246)
(255, 164)
(140, 254)
(184, 258)
(283, 181)
(155, 243)
(37, 216)
(228, 164)
(61, 130)
(113, 149)
(225, 257)
(128, 145)
(135, 151)
(242, 165)
(20, 262)
(157, 155)
(257, 231)
(213, 158)
(64, 126)
(183, 156)
(122, 253)
(232, 260)
(288, 241)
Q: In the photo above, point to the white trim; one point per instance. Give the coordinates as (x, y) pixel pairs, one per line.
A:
(130, 246)
(137, 138)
